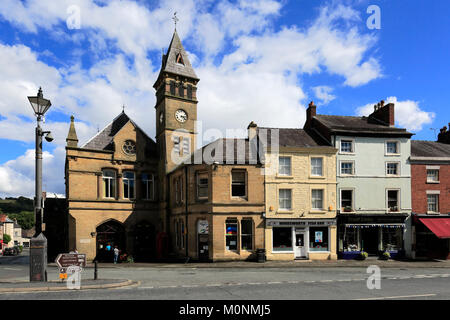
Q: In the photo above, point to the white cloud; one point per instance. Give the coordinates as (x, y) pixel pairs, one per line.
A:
(407, 113)
(323, 93)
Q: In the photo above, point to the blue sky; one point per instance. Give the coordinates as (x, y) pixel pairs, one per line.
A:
(260, 60)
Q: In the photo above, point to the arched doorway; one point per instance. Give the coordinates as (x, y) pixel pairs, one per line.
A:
(144, 242)
(110, 233)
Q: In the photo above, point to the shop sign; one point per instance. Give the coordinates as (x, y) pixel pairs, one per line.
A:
(203, 227)
(297, 223)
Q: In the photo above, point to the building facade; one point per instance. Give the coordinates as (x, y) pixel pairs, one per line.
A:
(300, 202)
(430, 187)
(373, 180)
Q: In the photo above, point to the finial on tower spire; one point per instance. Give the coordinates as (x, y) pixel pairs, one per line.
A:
(175, 19)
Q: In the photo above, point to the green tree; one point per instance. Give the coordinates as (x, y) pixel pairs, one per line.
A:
(25, 219)
(6, 238)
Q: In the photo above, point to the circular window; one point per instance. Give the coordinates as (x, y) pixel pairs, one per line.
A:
(129, 147)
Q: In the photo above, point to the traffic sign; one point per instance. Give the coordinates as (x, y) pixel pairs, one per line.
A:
(64, 260)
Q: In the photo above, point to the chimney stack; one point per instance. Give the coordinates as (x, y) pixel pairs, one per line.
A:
(384, 113)
(252, 130)
(444, 135)
(311, 111)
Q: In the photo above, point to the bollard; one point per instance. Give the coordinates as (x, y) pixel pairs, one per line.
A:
(95, 270)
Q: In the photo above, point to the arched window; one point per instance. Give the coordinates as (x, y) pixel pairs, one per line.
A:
(128, 185)
(109, 183)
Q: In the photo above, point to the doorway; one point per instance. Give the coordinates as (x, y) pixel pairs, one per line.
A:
(109, 235)
(300, 244)
(144, 242)
(369, 240)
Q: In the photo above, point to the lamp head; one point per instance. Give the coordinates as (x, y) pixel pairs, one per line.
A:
(39, 104)
(49, 137)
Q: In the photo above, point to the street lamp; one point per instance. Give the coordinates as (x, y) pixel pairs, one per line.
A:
(38, 252)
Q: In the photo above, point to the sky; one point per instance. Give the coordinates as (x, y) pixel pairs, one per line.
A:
(257, 60)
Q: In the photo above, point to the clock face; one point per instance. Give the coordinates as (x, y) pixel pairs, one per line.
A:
(161, 117)
(181, 115)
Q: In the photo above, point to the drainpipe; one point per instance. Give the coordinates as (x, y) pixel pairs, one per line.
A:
(186, 204)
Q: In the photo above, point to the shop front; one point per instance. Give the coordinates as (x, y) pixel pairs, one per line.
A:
(372, 234)
(300, 239)
(432, 236)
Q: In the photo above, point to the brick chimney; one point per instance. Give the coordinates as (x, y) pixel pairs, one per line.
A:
(252, 130)
(311, 111)
(384, 113)
(444, 135)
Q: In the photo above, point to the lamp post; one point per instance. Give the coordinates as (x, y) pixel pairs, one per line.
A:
(38, 244)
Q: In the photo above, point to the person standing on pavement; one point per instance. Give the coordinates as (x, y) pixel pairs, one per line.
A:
(116, 254)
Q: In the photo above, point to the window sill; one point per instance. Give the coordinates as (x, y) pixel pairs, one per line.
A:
(317, 211)
(238, 198)
(284, 177)
(392, 154)
(317, 177)
(433, 182)
(285, 212)
(431, 213)
(347, 153)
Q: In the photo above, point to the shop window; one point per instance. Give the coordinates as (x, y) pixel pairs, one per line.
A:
(109, 183)
(433, 203)
(347, 200)
(284, 166)
(392, 238)
(238, 183)
(202, 185)
(285, 199)
(148, 186)
(393, 203)
(392, 168)
(318, 239)
(247, 234)
(347, 168)
(317, 199)
(432, 175)
(282, 239)
(317, 167)
(231, 235)
(347, 146)
(351, 239)
(128, 185)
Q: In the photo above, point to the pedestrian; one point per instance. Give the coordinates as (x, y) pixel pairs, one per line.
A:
(116, 254)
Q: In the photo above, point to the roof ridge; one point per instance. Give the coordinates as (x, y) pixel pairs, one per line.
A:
(104, 128)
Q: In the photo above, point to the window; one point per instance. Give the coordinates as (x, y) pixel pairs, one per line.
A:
(247, 234)
(189, 91)
(186, 145)
(432, 175)
(181, 234)
(317, 199)
(176, 145)
(148, 186)
(347, 200)
(238, 183)
(231, 234)
(109, 183)
(179, 59)
(347, 146)
(392, 147)
(393, 200)
(284, 166)
(392, 168)
(128, 185)
(202, 185)
(181, 90)
(178, 182)
(316, 166)
(433, 203)
(351, 242)
(172, 88)
(318, 239)
(285, 201)
(177, 235)
(282, 239)
(392, 238)
(347, 168)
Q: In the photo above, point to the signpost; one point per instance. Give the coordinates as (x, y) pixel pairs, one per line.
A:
(65, 260)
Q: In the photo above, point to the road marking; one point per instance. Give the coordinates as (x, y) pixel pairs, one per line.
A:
(399, 297)
(326, 280)
(13, 269)
(274, 282)
(146, 287)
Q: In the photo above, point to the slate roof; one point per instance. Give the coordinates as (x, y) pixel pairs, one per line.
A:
(430, 149)
(351, 124)
(169, 63)
(289, 137)
(104, 139)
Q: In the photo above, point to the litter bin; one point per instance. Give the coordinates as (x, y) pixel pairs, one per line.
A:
(261, 255)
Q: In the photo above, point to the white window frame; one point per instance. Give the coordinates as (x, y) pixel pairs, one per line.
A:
(387, 170)
(353, 199)
(386, 148)
(149, 194)
(284, 166)
(199, 176)
(124, 186)
(437, 203)
(110, 181)
(312, 167)
(438, 174)
(245, 182)
(346, 152)
(353, 168)
(236, 222)
(312, 200)
(279, 199)
(399, 194)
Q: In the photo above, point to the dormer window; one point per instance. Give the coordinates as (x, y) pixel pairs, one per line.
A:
(179, 59)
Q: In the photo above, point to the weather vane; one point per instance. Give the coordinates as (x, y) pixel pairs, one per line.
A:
(175, 19)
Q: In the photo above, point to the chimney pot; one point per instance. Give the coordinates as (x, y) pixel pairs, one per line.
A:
(382, 103)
